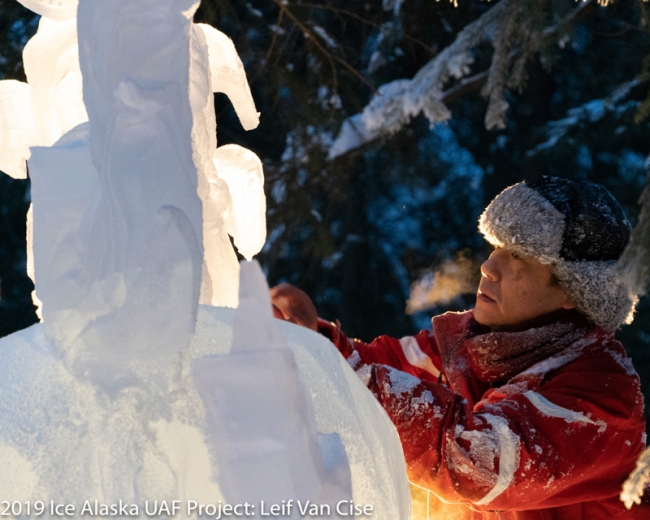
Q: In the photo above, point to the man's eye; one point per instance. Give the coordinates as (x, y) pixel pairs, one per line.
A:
(516, 256)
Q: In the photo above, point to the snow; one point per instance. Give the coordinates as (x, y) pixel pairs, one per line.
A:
(559, 360)
(418, 404)
(589, 112)
(402, 383)
(397, 102)
(329, 41)
(354, 360)
(624, 362)
(364, 374)
(353, 134)
(483, 448)
(118, 395)
(508, 444)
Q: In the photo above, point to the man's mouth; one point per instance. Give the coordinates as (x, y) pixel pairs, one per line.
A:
(480, 295)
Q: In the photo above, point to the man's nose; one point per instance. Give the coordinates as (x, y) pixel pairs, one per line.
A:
(490, 268)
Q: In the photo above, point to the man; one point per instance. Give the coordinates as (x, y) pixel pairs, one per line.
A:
(526, 407)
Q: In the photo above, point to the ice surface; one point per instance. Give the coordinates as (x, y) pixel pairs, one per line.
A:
(16, 127)
(260, 417)
(229, 77)
(224, 172)
(139, 253)
(243, 173)
(220, 267)
(255, 327)
(93, 331)
(39, 112)
(55, 9)
(51, 61)
(70, 441)
(262, 426)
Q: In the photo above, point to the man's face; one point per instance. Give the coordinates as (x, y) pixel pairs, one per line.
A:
(515, 288)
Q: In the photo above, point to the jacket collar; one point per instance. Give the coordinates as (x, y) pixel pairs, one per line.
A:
(499, 355)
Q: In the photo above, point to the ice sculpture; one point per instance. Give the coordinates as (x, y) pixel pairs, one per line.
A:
(112, 397)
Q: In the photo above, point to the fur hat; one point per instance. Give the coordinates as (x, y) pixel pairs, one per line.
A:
(578, 228)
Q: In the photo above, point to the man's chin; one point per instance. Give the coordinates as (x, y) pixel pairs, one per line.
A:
(481, 313)
(485, 317)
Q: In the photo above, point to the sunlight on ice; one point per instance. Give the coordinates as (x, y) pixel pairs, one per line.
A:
(57, 10)
(228, 75)
(242, 171)
(16, 127)
(51, 61)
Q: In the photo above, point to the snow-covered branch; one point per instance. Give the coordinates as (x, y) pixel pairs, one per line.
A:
(512, 28)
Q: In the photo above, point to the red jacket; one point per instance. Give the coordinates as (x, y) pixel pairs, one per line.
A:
(554, 438)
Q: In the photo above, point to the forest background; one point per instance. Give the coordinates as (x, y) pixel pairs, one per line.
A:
(387, 127)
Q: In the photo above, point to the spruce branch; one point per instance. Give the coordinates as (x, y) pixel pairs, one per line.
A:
(515, 43)
(331, 58)
(361, 19)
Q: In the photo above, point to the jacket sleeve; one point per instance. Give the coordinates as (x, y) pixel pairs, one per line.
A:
(416, 355)
(564, 443)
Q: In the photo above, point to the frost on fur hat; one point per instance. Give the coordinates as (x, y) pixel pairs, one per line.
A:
(576, 226)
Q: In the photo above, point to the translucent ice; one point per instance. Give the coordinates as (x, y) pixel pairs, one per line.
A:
(225, 171)
(260, 417)
(67, 440)
(220, 267)
(261, 425)
(255, 327)
(51, 61)
(16, 127)
(229, 77)
(139, 252)
(55, 9)
(39, 112)
(243, 173)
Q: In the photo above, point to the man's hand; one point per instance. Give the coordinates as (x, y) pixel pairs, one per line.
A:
(294, 305)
